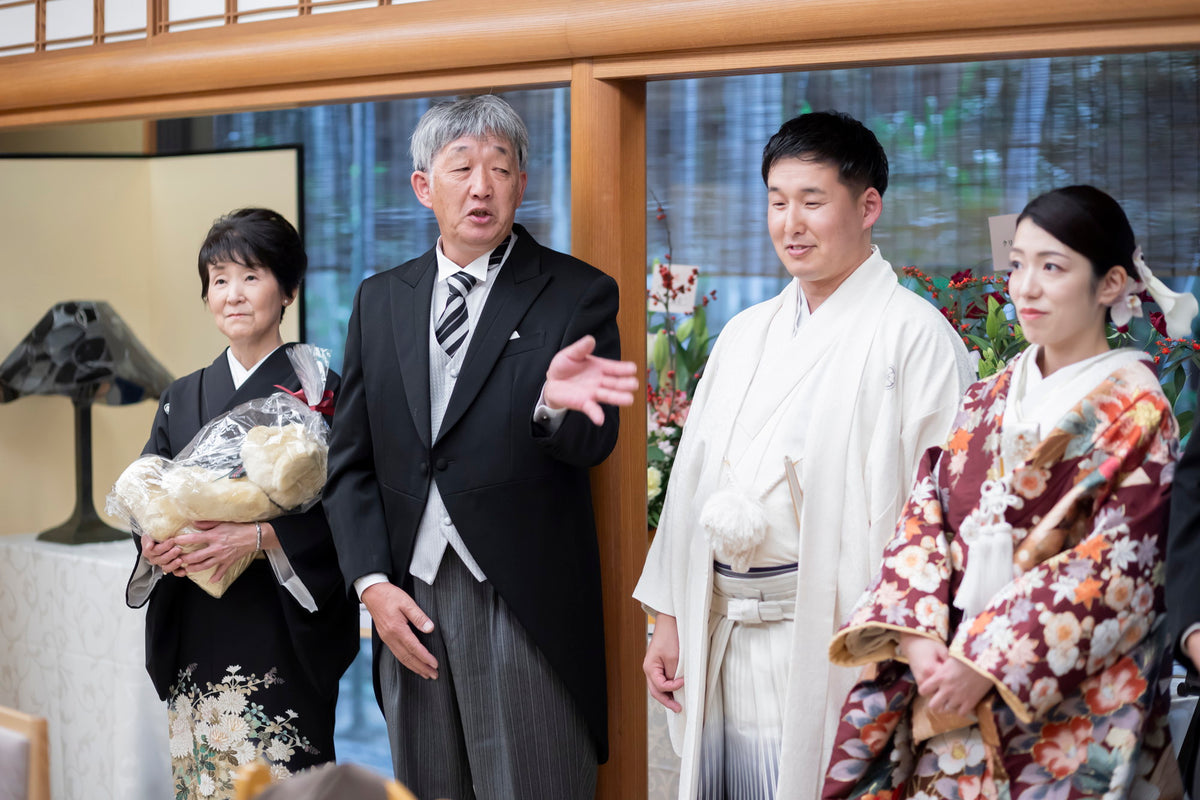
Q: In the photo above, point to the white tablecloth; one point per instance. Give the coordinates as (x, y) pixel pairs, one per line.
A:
(73, 652)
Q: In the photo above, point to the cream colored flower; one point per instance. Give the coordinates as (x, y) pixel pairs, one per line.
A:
(1120, 739)
(237, 729)
(1119, 593)
(181, 743)
(1104, 638)
(218, 736)
(959, 751)
(1062, 659)
(653, 482)
(245, 753)
(1062, 630)
(278, 751)
(931, 613)
(231, 702)
(207, 786)
(909, 562)
(1044, 694)
(1143, 600)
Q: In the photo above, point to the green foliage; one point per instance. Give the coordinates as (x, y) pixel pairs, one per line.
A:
(982, 316)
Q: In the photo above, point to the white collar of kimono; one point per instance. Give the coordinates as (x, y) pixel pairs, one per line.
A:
(802, 312)
(844, 324)
(1034, 405)
(1040, 401)
(241, 374)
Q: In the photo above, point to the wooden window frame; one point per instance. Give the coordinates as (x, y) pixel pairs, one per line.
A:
(158, 21)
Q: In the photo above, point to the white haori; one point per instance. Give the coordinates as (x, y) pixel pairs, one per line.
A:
(1034, 406)
(881, 372)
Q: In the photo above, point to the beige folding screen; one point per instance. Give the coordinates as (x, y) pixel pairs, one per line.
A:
(125, 230)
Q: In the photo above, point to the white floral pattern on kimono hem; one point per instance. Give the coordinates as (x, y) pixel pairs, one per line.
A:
(217, 729)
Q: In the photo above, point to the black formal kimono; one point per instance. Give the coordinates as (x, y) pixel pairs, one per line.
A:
(251, 675)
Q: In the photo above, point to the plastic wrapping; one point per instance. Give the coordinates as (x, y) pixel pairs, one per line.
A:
(259, 460)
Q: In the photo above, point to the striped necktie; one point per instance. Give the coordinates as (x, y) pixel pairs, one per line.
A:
(451, 330)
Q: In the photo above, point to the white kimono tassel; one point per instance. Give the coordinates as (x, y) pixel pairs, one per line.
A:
(736, 525)
(990, 548)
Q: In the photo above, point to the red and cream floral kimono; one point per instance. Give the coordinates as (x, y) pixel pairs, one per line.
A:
(1063, 611)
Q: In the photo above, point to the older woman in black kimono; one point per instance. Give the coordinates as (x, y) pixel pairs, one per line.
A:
(252, 675)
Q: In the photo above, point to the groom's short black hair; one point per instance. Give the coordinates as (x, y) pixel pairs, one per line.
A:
(834, 138)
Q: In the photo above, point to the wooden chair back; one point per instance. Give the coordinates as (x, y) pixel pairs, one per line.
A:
(34, 729)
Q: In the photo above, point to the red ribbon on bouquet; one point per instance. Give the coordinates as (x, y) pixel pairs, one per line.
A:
(325, 406)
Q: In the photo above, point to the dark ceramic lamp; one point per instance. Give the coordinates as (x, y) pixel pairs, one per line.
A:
(83, 350)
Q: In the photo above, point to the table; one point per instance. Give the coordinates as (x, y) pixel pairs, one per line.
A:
(73, 652)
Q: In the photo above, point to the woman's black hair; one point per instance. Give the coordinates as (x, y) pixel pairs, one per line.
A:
(255, 237)
(1089, 222)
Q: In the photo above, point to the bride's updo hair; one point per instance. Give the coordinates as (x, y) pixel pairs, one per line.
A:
(1089, 222)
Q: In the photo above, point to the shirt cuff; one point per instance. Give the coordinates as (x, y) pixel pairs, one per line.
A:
(549, 418)
(1193, 628)
(368, 580)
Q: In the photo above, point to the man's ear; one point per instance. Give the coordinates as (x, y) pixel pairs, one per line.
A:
(421, 188)
(872, 206)
(524, 180)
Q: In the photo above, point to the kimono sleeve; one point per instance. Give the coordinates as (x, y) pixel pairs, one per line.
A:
(911, 591)
(159, 443)
(145, 576)
(308, 543)
(667, 559)
(1084, 609)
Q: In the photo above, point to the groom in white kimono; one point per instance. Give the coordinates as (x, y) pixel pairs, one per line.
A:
(797, 456)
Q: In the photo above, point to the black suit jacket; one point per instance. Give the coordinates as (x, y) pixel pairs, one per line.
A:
(1183, 549)
(519, 497)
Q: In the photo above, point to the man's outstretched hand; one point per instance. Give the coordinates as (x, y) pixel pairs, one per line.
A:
(581, 381)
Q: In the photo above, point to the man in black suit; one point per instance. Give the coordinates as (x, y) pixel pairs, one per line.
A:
(1183, 600)
(470, 412)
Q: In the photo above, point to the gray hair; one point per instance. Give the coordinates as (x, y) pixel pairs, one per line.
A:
(478, 117)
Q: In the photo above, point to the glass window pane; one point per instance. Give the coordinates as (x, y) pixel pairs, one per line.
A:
(124, 15)
(191, 9)
(360, 215)
(17, 25)
(254, 5)
(66, 19)
(263, 15)
(965, 141)
(345, 6)
(191, 26)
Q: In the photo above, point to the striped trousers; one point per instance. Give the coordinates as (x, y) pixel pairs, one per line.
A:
(497, 724)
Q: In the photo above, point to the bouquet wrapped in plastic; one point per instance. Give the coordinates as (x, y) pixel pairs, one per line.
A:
(259, 460)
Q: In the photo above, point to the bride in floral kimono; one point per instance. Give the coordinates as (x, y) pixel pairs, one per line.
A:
(1015, 631)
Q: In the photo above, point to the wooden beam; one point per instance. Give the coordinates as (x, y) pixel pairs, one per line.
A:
(608, 230)
(448, 35)
(909, 49)
(295, 95)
